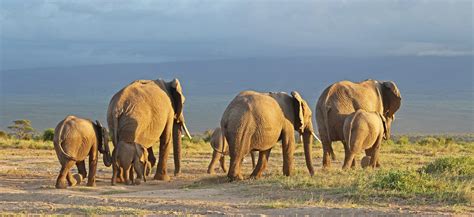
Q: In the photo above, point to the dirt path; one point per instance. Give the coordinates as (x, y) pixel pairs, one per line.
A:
(27, 180)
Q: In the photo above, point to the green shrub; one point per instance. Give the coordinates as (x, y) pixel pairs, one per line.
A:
(404, 181)
(48, 134)
(403, 140)
(22, 129)
(431, 141)
(458, 166)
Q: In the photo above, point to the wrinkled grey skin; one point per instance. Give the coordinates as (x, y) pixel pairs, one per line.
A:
(220, 150)
(256, 121)
(75, 139)
(363, 131)
(344, 98)
(140, 115)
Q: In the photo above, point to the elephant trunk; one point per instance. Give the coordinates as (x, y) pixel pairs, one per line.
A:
(177, 147)
(107, 157)
(307, 143)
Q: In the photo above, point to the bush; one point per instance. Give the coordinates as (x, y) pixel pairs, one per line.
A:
(3, 135)
(457, 166)
(404, 181)
(404, 140)
(48, 134)
(431, 141)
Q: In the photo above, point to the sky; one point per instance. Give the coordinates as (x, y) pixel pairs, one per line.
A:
(43, 33)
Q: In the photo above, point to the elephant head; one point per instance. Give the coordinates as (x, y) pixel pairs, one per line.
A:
(103, 146)
(391, 100)
(304, 125)
(178, 99)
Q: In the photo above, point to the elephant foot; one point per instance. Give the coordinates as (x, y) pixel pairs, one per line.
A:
(61, 184)
(162, 177)
(255, 177)
(177, 173)
(137, 181)
(72, 182)
(238, 177)
(211, 172)
(128, 182)
(365, 162)
(78, 178)
(91, 184)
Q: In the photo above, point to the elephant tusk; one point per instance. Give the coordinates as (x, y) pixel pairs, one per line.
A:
(187, 131)
(316, 137)
(301, 138)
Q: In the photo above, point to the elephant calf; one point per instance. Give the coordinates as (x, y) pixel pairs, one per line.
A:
(221, 149)
(363, 131)
(75, 139)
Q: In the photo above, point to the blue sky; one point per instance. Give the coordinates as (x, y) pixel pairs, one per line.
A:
(45, 33)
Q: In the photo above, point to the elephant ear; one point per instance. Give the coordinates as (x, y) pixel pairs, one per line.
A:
(100, 130)
(384, 123)
(299, 111)
(177, 98)
(391, 98)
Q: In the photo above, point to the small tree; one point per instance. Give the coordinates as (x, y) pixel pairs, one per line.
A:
(22, 129)
(48, 134)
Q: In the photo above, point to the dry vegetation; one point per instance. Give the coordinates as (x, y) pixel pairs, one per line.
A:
(419, 174)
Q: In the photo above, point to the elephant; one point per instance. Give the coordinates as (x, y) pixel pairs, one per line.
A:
(221, 149)
(255, 121)
(364, 131)
(344, 98)
(139, 115)
(74, 139)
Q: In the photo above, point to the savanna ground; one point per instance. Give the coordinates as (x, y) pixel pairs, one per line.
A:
(419, 175)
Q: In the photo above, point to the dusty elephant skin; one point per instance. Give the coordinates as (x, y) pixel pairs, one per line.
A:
(363, 131)
(256, 121)
(75, 139)
(139, 115)
(220, 150)
(344, 98)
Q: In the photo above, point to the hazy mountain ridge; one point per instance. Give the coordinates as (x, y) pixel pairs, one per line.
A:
(441, 84)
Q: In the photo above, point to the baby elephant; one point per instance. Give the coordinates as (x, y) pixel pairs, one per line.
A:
(221, 149)
(75, 139)
(363, 131)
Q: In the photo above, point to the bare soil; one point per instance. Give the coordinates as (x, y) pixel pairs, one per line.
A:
(27, 179)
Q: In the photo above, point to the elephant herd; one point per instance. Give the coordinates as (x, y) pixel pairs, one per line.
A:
(149, 111)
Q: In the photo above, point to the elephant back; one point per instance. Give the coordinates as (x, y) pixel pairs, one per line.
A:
(74, 137)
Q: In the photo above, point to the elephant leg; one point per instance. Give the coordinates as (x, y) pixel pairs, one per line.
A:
(234, 172)
(375, 152)
(70, 179)
(326, 153)
(215, 156)
(288, 150)
(165, 143)
(261, 164)
(349, 159)
(354, 163)
(370, 153)
(222, 161)
(126, 174)
(81, 168)
(140, 170)
(92, 167)
(61, 181)
(131, 174)
(115, 171)
(252, 154)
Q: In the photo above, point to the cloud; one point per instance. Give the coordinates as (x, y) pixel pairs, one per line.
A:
(140, 31)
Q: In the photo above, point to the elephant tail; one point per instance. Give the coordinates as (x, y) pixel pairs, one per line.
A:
(349, 134)
(60, 141)
(115, 130)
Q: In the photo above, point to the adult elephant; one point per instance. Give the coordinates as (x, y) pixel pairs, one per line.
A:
(255, 121)
(147, 111)
(345, 97)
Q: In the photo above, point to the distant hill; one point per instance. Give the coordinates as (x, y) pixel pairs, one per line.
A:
(437, 91)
